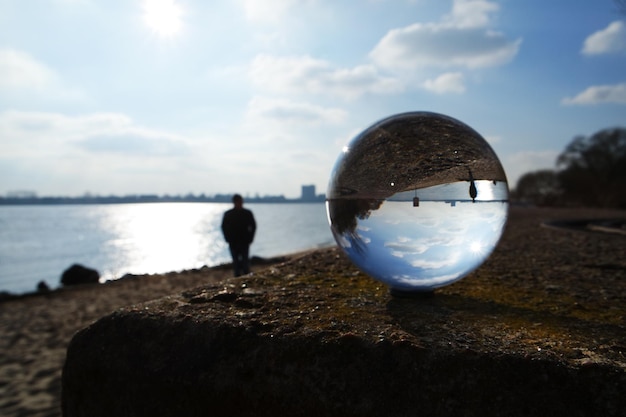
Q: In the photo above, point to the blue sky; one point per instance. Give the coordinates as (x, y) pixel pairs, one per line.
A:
(172, 97)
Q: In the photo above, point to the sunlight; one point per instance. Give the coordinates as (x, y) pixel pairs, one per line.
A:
(485, 190)
(151, 238)
(477, 248)
(164, 17)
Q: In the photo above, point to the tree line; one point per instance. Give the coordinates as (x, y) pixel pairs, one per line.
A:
(590, 172)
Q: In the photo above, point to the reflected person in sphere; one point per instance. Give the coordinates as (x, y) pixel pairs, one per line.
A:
(238, 227)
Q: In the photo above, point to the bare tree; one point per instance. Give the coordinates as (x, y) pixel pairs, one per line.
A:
(594, 169)
(539, 187)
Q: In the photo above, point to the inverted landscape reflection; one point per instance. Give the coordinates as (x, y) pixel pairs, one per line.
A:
(417, 245)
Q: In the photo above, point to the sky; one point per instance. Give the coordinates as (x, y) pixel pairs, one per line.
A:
(260, 96)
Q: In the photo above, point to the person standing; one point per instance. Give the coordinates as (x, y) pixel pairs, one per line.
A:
(238, 227)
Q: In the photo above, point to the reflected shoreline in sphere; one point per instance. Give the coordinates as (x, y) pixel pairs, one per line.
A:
(417, 201)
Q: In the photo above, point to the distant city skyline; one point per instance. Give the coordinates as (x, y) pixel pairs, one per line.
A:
(187, 96)
(308, 194)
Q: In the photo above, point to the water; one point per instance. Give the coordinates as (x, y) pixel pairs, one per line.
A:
(37, 243)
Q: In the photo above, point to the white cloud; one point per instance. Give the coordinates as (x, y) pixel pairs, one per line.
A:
(19, 70)
(134, 142)
(304, 74)
(471, 13)
(433, 263)
(40, 134)
(612, 39)
(54, 153)
(449, 82)
(401, 248)
(599, 94)
(461, 39)
(292, 112)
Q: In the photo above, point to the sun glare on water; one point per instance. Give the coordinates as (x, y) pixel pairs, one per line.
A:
(164, 17)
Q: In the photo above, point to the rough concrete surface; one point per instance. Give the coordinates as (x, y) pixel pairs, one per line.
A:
(538, 330)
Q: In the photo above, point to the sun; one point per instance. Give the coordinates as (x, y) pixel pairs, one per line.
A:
(477, 248)
(164, 17)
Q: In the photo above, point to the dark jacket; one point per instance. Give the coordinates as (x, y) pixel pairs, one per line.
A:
(238, 226)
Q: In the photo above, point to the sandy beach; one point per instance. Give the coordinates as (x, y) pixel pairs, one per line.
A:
(36, 330)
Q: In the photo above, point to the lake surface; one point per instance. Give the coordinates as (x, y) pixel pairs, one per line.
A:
(38, 242)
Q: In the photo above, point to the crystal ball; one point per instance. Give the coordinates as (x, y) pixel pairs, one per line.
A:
(417, 201)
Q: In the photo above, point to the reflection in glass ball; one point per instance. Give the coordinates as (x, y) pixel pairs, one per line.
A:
(417, 201)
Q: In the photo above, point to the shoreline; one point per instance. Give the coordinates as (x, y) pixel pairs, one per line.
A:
(255, 261)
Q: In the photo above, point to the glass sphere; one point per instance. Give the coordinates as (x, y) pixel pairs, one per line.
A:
(417, 201)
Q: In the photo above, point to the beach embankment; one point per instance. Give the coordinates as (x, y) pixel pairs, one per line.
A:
(539, 329)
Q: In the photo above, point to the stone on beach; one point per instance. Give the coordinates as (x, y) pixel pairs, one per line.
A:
(78, 274)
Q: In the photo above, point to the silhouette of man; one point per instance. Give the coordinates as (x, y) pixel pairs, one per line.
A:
(238, 227)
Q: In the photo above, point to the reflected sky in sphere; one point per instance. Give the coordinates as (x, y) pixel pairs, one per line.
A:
(418, 201)
(420, 248)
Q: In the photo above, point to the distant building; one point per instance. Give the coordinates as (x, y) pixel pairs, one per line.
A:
(308, 193)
